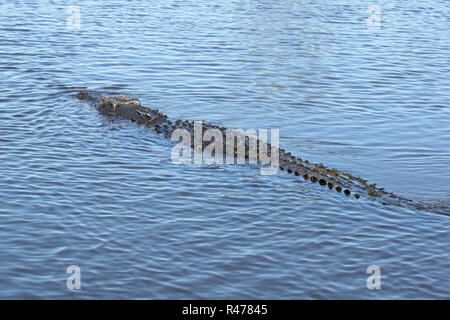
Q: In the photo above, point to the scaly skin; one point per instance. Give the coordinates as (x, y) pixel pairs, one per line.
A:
(125, 107)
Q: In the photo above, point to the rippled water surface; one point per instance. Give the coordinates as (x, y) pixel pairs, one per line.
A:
(79, 189)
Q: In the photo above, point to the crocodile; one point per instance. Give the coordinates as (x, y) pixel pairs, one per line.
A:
(129, 108)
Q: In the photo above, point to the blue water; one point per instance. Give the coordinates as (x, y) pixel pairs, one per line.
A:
(79, 189)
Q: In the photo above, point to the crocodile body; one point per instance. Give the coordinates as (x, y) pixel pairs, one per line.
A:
(125, 107)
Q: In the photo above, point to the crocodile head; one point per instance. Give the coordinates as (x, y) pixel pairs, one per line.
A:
(88, 95)
(83, 95)
(119, 104)
(109, 105)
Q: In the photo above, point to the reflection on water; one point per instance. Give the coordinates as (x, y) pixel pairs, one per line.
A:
(79, 189)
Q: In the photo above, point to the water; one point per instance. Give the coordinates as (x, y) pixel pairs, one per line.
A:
(78, 189)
